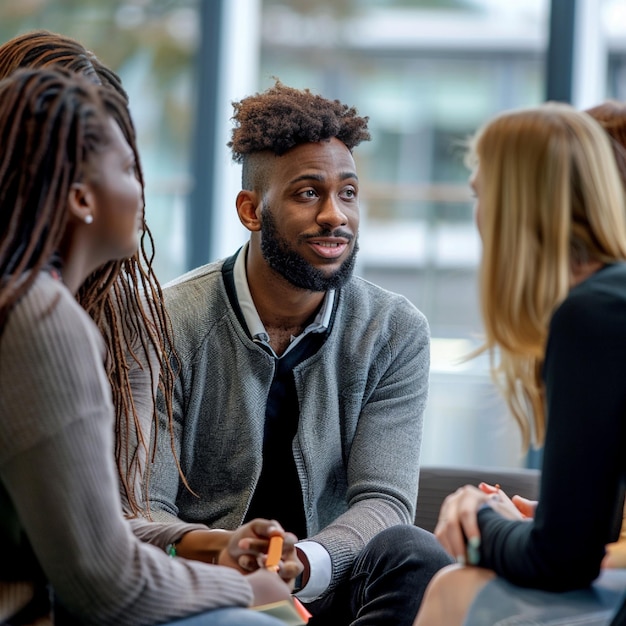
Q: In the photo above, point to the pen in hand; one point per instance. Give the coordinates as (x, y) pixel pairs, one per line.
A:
(274, 552)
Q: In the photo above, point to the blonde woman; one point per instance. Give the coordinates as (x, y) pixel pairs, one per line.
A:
(551, 215)
(611, 115)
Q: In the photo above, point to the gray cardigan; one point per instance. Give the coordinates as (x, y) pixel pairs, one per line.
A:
(362, 398)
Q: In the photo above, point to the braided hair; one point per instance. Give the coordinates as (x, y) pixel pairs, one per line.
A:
(124, 298)
(50, 125)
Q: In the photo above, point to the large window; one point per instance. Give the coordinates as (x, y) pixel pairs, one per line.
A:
(152, 44)
(426, 72)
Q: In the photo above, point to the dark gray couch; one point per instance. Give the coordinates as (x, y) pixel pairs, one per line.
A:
(436, 482)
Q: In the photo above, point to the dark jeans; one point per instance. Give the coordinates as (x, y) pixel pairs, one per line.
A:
(387, 581)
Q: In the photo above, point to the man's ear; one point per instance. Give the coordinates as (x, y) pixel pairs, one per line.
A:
(81, 203)
(249, 209)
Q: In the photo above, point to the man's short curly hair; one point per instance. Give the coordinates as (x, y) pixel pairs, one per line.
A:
(283, 117)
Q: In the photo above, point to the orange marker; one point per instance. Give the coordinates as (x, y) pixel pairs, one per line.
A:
(302, 612)
(274, 552)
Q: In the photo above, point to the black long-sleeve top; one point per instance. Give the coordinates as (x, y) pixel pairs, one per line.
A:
(584, 458)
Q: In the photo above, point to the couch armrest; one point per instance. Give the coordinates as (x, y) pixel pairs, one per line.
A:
(436, 482)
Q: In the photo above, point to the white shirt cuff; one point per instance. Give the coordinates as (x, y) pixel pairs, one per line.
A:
(320, 571)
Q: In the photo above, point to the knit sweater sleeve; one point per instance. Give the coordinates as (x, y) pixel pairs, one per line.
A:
(387, 416)
(56, 462)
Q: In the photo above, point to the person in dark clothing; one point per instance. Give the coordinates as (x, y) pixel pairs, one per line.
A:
(551, 215)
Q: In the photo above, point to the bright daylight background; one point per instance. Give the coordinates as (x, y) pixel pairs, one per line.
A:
(427, 73)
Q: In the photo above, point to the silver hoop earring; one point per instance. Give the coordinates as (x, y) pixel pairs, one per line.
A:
(88, 219)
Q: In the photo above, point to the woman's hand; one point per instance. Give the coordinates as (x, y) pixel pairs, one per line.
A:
(203, 545)
(524, 506)
(267, 587)
(615, 556)
(457, 528)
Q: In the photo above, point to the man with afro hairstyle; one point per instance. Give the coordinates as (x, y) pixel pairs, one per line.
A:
(302, 388)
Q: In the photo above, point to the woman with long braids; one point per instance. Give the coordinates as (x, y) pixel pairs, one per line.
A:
(71, 202)
(124, 299)
(123, 296)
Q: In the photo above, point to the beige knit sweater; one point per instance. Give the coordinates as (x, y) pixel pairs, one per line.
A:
(58, 476)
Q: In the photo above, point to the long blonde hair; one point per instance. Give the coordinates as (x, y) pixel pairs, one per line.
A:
(551, 199)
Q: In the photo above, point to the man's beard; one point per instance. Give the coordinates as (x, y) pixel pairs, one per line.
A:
(291, 266)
